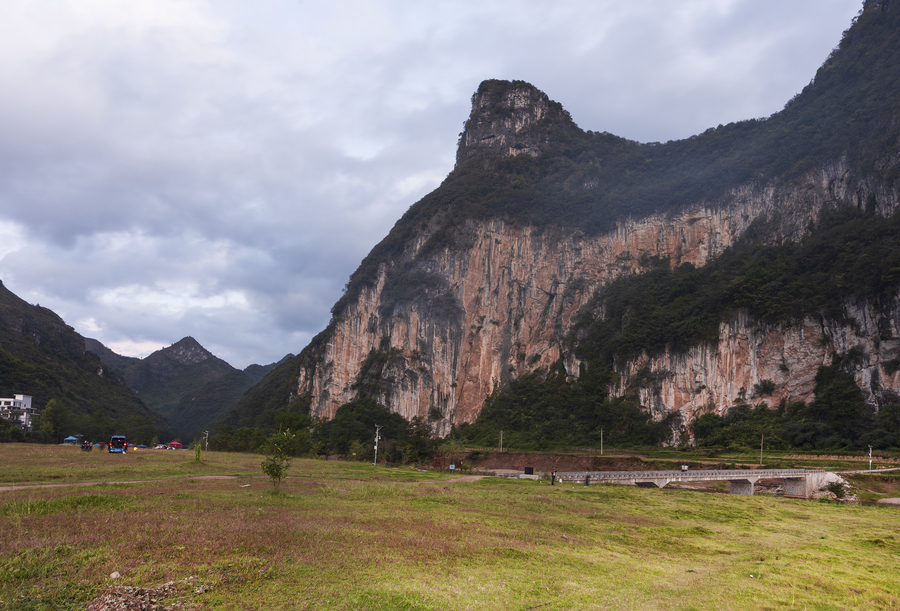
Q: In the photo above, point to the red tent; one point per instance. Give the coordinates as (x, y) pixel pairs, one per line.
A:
(173, 443)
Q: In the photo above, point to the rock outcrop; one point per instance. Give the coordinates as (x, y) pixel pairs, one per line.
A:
(500, 118)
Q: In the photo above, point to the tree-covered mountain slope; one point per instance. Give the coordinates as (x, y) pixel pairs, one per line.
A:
(668, 278)
(41, 356)
(184, 383)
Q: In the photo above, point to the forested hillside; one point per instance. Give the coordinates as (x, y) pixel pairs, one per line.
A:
(41, 356)
(184, 383)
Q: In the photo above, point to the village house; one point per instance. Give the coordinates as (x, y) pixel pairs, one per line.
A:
(18, 409)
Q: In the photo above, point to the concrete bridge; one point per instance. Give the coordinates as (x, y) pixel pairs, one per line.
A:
(799, 483)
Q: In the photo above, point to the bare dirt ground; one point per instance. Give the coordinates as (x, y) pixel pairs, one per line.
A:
(464, 478)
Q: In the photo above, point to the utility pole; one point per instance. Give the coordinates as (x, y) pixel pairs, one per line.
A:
(377, 437)
(501, 441)
(601, 442)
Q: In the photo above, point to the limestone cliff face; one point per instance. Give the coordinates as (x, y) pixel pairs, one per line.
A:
(736, 370)
(515, 291)
(436, 322)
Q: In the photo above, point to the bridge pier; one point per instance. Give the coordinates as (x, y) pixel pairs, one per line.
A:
(795, 486)
(652, 483)
(744, 487)
(804, 487)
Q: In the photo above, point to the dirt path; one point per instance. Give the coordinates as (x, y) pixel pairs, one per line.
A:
(107, 483)
(464, 478)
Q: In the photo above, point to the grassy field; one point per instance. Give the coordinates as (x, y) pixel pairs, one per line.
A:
(353, 536)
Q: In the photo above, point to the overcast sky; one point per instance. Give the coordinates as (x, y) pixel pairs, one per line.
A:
(219, 168)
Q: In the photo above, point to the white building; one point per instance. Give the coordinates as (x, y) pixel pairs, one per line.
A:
(18, 409)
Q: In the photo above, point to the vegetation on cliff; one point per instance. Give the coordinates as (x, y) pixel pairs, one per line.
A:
(838, 418)
(540, 412)
(851, 257)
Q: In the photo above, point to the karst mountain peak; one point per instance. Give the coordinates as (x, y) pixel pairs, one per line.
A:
(509, 118)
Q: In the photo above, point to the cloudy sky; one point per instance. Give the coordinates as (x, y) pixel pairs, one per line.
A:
(218, 168)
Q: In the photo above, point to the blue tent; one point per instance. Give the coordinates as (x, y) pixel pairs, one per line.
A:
(70, 439)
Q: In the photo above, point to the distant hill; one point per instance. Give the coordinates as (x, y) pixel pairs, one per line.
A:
(116, 362)
(184, 383)
(41, 356)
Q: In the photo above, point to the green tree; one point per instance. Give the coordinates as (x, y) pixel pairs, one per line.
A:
(704, 426)
(55, 420)
(840, 404)
(99, 426)
(357, 450)
(420, 442)
(356, 421)
(277, 461)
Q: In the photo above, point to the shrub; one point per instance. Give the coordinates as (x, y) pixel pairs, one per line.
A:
(276, 465)
(836, 488)
(764, 388)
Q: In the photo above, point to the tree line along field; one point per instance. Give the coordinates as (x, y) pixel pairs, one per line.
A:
(336, 535)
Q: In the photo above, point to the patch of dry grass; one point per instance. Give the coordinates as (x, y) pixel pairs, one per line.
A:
(350, 536)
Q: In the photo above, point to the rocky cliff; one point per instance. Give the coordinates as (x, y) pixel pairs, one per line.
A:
(461, 299)
(519, 290)
(754, 363)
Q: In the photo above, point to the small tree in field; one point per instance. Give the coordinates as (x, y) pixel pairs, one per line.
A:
(277, 461)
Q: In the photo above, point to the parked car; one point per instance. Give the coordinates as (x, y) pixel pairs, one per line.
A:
(117, 443)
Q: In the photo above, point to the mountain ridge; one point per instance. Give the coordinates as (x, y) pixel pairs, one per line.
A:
(184, 383)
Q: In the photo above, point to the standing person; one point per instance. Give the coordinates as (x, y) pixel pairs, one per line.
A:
(553, 476)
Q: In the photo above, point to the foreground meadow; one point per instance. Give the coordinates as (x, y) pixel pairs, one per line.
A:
(353, 536)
